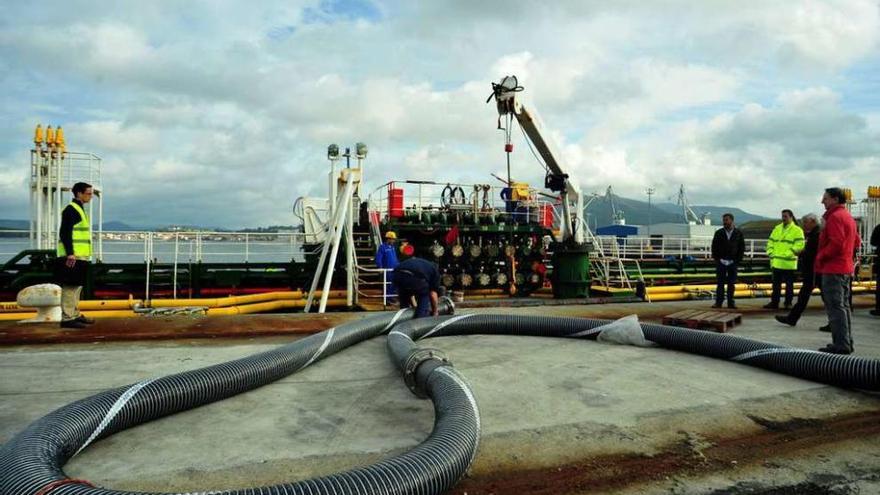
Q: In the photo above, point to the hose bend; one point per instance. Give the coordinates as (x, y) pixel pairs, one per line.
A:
(32, 461)
(842, 371)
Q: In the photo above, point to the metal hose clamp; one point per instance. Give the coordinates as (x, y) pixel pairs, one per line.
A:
(412, 364)
(446, 306)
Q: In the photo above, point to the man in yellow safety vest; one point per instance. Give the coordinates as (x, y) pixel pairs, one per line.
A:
(74, 251)
(785, 244)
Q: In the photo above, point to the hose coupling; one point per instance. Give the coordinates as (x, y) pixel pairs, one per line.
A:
(415, 361)
(446, 306)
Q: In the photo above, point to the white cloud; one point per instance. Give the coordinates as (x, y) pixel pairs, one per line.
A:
(761, 158)
(829, 33)
(112, 136)
(221, 115)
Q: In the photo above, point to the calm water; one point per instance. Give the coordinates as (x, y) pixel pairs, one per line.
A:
(163, 251)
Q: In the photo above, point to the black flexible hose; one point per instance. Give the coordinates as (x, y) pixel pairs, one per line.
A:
(833, 369)
(32, 461)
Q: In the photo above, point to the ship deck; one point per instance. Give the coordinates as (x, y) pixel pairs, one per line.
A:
(558, 416)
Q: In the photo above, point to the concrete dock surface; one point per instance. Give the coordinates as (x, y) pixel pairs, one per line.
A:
(558, 416)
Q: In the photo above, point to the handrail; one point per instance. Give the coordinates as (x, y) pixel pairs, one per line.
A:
(201, 246)
(699, 247)
(487, 204)
(385, 282)
(194, 246)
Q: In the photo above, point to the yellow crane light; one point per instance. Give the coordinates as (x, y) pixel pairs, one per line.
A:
(59, 139)
(39, 137)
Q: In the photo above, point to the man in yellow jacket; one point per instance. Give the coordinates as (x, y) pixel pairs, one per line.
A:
(74, 251)
(785, 244)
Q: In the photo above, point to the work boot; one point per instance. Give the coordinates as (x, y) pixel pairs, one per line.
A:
(825, 328)
(771, 306)
(875, 312)
(85, 319)
(716, 305)
(784, 320)
(72, 324)
(836, 349)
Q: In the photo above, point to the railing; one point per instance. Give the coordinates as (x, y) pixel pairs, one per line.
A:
(165, 247)
(384, 283)
(12, 242)
(178, 247)
(869, 212)
(479, 201)
(244, 247)
(208, 247)
(662, 247)
(72, 166)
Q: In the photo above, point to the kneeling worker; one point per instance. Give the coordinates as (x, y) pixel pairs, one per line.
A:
(419, 278)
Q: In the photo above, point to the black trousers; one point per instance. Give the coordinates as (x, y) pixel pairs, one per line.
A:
(725, 275)
(412, 286)
(780, 276)
(65, 275)
(811, 281)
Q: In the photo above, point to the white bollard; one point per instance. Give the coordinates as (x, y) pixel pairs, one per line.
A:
(46, 298)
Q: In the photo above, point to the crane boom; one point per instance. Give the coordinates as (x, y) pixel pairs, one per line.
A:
(557, 178)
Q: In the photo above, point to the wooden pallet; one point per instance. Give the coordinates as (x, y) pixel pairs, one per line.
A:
(718, 321)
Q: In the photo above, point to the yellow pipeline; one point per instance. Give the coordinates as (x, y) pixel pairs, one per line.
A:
(676, 289)
(222, 302)
(270, 306)
(739, 293)
(687, 296)
(483, 292)
(217, 302)
(116, 304)
(228, 310)
(112, 313)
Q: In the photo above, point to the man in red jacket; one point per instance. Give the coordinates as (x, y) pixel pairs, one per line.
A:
(834, 263)
(875, 241)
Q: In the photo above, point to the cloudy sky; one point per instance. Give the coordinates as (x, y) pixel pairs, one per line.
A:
(219, 113)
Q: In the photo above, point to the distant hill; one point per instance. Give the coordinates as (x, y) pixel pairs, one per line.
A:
(114, 225)
(714, 212)
(637, 212)
(757, 229)
(25, 225)
(6, 223)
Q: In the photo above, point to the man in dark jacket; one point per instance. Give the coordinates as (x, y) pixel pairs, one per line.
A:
(728, 247)
(420, 279)
(875, 241)
(805, 263)
(74, 251)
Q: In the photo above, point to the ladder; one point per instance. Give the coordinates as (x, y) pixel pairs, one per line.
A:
(371, 282)
(610, 267)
